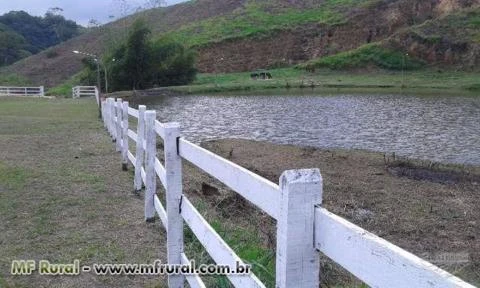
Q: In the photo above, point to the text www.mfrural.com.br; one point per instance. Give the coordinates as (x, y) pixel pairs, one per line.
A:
(44, 267)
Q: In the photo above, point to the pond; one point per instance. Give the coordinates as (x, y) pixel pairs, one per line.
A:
(437, 128)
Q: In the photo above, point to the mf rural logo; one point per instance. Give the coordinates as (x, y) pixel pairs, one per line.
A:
(27, 267)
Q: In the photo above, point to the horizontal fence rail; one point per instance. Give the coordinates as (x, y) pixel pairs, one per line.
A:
(382, 263)
(22, 91)
(243, 181)
(304, 228)
(86, 91)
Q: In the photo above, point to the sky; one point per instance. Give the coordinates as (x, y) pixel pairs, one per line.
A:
(81, 11)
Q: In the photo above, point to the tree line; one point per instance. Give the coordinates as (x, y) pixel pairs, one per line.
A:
(22, 34)
(142, 62)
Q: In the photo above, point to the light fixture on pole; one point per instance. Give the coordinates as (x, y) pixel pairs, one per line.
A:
(97, 61)
(99, 85)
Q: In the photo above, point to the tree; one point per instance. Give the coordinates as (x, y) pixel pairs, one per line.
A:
(12, 46)
(93, 23)
(140, 63)
(40, 33)
(152, 4)
(174, 65)
(137, 55)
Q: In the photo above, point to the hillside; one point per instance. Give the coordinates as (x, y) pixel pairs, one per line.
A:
(243, 35)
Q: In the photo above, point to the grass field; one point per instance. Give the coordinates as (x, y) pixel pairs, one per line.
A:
(63, 196)
(381, 80)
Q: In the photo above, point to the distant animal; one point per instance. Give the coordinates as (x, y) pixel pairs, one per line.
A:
(261, 74)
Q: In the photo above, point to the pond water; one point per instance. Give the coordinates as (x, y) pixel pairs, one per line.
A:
(438, 128)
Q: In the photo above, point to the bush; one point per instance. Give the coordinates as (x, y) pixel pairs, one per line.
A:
(51, 54)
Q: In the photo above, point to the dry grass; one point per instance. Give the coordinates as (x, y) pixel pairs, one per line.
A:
(63, 196)
(422, 216)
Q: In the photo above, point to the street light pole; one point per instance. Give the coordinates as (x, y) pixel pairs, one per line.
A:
(106, 78)
(98, 62)
(98, 76)
(99, 85)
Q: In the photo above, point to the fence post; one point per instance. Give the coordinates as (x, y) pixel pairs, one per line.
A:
(8, 91)
(298, 262)
(140, 152)
(118, 134)
(150, 154)
(97, 95)
(105, 113)
(112, 119)
(125, 137)
(109, 116)
(42, 91)
(173, 168)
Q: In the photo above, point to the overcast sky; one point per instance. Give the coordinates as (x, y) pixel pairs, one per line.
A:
(79, 10)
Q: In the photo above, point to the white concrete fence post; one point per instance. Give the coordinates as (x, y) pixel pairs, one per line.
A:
(97, 95)
(140, 152)
(125, 143)
(109, 116)
(150, 154)
(118, 124)
(173, 168)
(112, 120)
(298, 262)
(42, 91)
(105, 113)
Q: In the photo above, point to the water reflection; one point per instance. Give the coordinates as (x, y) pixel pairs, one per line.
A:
(441, 128)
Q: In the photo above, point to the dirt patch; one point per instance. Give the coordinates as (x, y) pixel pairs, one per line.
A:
(432, 175)
(428, 213)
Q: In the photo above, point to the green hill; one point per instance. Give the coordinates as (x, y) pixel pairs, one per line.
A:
(244, 35)
(22, 35)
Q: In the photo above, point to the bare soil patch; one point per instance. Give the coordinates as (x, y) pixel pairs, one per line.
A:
(427, 211)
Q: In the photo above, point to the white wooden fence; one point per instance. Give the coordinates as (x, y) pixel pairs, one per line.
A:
(304, 228)
(22, 91)
(84, 91)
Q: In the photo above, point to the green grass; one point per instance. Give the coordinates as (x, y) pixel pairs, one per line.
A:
(65, 89)
(427, 80)
(12, 177)
(245, 241)
(257, 19)
(365, 56)
(457, 27)
(13, 80)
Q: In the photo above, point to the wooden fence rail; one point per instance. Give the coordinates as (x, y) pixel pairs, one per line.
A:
(86, 91)
(22, 91)
(304, 228)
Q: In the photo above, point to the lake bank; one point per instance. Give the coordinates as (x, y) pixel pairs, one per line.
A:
(427, 210)
(323, 80)
(374, 80)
